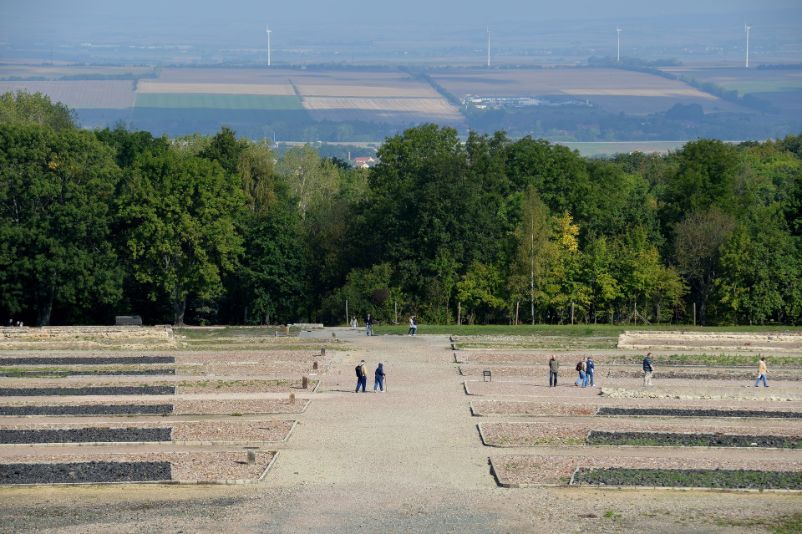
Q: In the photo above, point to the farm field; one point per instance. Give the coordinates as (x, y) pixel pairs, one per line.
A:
(217, 101)
(612, 89)
(781, 88)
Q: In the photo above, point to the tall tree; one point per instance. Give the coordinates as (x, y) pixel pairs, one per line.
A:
(179, 213)
(55, 214)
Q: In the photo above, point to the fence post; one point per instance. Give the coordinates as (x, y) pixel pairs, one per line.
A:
(694, 314)
(572, 313)
(459, 313)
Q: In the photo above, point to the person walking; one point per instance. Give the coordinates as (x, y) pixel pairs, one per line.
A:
(554, 367)
(580, 367)
(590, 371)
(354, 323)
(413, 326)
(378, 378)
(369, 325)
(361, 377)
(761, 372)
(648, 369)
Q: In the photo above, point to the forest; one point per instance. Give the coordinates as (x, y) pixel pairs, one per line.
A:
(489, 229)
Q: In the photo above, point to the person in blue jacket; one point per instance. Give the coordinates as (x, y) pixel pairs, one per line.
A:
(378, 379)
(590, 371)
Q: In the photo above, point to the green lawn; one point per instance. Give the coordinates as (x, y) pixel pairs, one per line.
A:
(217, 101)
(601, 330)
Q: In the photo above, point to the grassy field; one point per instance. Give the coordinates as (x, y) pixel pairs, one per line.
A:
(87, 94)
(600, 330)
(217, 101)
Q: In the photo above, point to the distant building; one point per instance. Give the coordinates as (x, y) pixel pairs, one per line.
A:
(365, 162)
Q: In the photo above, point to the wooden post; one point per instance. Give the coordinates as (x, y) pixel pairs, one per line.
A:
(517, 307)
(305, 382)
(292, 398)
(459, 313)
(694, 314)
(572, 313)
(314, 366)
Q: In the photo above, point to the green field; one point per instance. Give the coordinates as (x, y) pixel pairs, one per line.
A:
(217, 101)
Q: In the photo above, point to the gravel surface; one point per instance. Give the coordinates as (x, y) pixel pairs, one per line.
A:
(86, 360)
(96, 390)
(608, 373)
(244, 386)
(690, 478)
(85, 435)
(704, 391)
(89, 409)
(185, 466)
(87, 372)
(531, 408)
(242, 406)
(182, 431)
(536, 469)
(84, 472)
(685, 439)
(697, 412)
(572, 432)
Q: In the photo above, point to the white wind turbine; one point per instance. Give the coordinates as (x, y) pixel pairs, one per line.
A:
(747, 29)
(488, 47)
(618, 45)
(268, 46)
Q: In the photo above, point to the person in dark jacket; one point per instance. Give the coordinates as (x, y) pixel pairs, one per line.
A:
(648, 369)
(378, 379)
(554, 366)
(361, 377)
(369, 325)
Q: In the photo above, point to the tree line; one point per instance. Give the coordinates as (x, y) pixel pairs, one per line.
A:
(219, 229)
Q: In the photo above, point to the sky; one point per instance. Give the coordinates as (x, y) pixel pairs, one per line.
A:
(72, 20)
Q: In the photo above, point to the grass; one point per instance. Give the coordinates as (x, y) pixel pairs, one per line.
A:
(577, 330)
(217, 101)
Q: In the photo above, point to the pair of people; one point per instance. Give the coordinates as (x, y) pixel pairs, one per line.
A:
(362, 378)
(587, 372)
(413, 326)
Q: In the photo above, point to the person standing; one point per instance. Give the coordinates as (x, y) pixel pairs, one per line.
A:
(354, 323)
(361, 377)
(369, 325)
(648, 369)
(378, 378)
(590, 370)
(761, 372)
(554, 367)
(413, 326)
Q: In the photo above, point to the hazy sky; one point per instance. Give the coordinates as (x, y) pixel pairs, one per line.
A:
(70, 20)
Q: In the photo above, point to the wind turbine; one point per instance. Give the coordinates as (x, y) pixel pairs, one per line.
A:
(747, 29)
(488, 47)
(618, 45)
(268, 46)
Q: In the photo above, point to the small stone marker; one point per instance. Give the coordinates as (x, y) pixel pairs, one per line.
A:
(251, 454)
(287, 330)
(305, 382)
(323, 351)
(487, 375)
(292, 398)
(314, 366)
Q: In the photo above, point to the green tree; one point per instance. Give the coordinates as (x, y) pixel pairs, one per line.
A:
(55, 214)
(481, 290)
(179, 217)
(22, 107)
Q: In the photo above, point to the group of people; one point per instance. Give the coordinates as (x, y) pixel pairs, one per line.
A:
(379, 378)
(370, 321)
(585, 367)
(587, 371)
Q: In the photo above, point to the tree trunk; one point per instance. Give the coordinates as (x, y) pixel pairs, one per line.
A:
(46, 306)
(179, 307)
